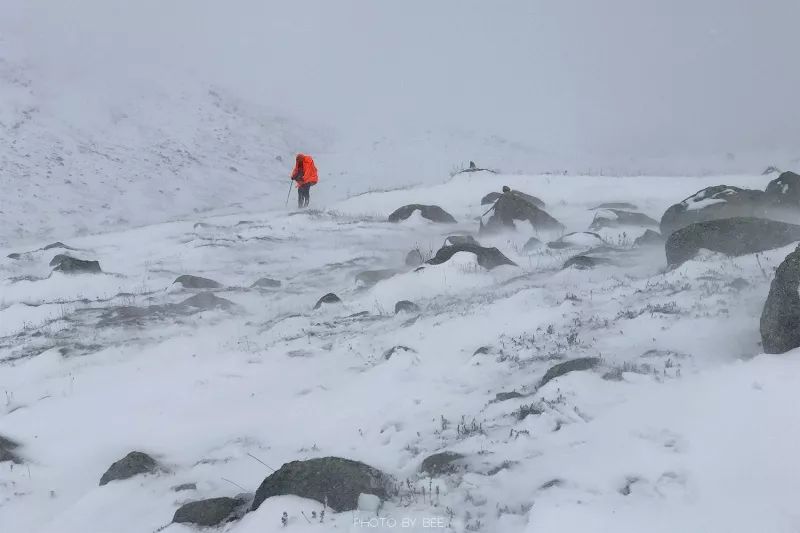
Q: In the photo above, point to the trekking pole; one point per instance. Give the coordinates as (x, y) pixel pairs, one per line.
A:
(288, 195)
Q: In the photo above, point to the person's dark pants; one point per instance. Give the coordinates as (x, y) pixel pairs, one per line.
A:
(303, 195)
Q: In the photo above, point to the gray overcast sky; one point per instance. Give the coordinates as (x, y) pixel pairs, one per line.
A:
(639, 77)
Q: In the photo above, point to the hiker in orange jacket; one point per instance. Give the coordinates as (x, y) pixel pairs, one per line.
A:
(305, 175)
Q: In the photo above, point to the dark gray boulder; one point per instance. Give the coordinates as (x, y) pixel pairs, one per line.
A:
(575, 365)
(730, 236)
(579, 239)
(71, 265)
(784, 190)
(58, 244)
(414, 258)
(14, 256)
(185, 486)
(492, 197)
(7, 447)
(329, 298)
(196, 282)
(433, 213)
(505, 396)
(211, 512)
(488, 258)
(371, 277)
(405, 306)
(397, 349)
(337, 479)
(712, 203)
(649, 238)
(460, 239)
(780, 319)
(442, 463)
(207, 301)
(265, 283)
(511, 206)
(612, 218)
(585, 262)
(133, 464)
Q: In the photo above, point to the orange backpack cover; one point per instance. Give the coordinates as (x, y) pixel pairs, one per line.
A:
(310, 176)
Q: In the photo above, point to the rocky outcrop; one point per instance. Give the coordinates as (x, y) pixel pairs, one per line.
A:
(512, 207)
(784, 191)
(730, 236)
(575, 365)
(780, 319)
(206, 301)
(333, 479)
(406, 306)
(492, 197)
(488, 258)
(441, 463)
(211, 512)
(649, 238)
(414, 258)
(7, 453)
(265, 283)
(328, 299)
(434, 213)
(196, 282)
(71, 265)
(612, 218)
(133, 464)
(713, 203)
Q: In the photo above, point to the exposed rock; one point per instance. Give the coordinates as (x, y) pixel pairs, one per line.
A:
(532, 244)
(58, 244)
(371, 277)
(196, 282)
(133, 464)
(582, 363)
(488, 258)
(185, 486)
(405, 306)
(211, 512)
(265, 283)
(14, 256)
(396, 349)
(511, 206)
(460, 239)
(780, 319)
(7, 447)
(649, 238)
(712, 203)
(433, 213)
(441, 463)
(739, 283)
(614, 205)
(414, 258)
(784, 190)
(339, 480)
(503, 396)
(580, 239)
(492, 197)
(612, 218)
(483, 350)
(71, 265)
(730, 236)
(329, 298)
(585, 262)
(207, 301)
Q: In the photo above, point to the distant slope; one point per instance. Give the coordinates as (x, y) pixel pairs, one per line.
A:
(85, 157)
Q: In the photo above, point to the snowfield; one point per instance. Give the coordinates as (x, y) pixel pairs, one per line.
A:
(680, 426)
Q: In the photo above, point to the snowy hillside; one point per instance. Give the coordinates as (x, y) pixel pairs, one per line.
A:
(681, 425)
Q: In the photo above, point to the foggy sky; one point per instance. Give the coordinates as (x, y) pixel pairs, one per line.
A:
(632, 77)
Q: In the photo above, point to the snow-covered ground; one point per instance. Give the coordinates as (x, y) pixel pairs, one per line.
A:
(683, 427)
